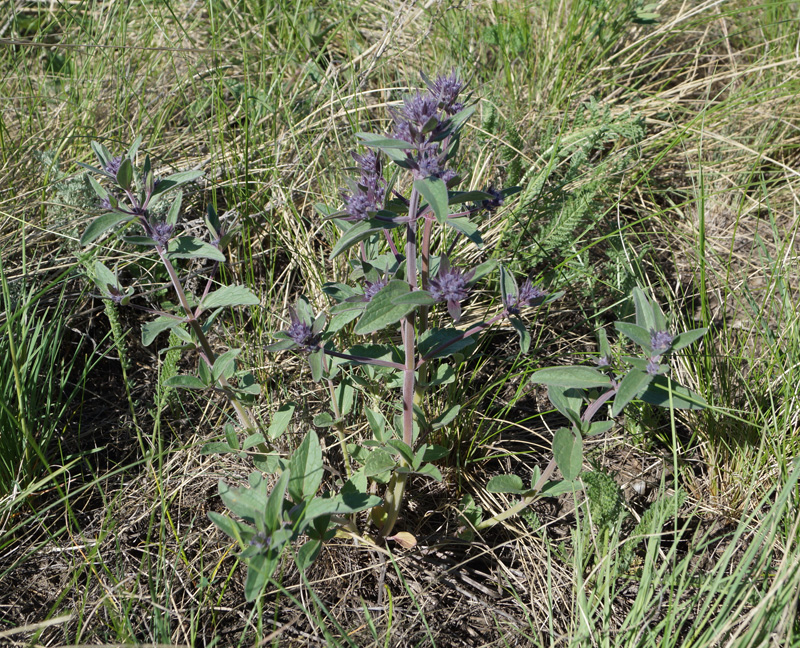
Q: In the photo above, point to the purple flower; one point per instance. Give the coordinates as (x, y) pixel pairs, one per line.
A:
(419, 109)
(373, 288)
(652, 367)
(357, 205)
(660, 341)
(105, 203)
(260, 541)
(451, 285)
(369, 163)
(113, 165)
(529, 295)
(301, 332)
(369, 194)
(604, 361)
(161, 233)
(446, 90)
(496, 200)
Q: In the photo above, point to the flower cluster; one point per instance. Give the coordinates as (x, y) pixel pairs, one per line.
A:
(301, 333)
(369, 193)
(450, 285)
(529, 295)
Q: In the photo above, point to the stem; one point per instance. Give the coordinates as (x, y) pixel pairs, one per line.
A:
(339, 426)
(397, 484)
(244, 415)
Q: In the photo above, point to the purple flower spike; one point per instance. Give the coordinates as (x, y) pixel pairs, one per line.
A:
(301, 332)
(529, 295)
(446, 90)
(113, 166)
(660, 341)
(653, 367)
(451, 285)
(373, 288)
(161, 233)
(357, 205)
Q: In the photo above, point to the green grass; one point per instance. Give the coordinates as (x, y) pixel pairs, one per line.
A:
(664, 154)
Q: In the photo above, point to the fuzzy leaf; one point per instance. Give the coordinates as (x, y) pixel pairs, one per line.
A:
(568, 452)
(102, 224)
(658, 392)
(306, 469)
(636, 333)
(230, 296)
(632, 385)
(434, 190)
(685, 339)
(150, 330)
(176, 180)
(185, 381)
(577, 377)
(189, 247)
(506, 484)
(382, 310)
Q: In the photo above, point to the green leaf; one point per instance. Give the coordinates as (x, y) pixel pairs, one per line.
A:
(359, 232)
(522, 332)
(431, 471)
(599, 427)
(139, 240)
(174, 209)
(446, 417)
(259, 569)
(150, 330)
(215, 447)
(605, 347)
(567, 400)
(405, 451)
(189, 247)
(225, 364)
(461, 197)
(554, 488)
(379, 141)
(306, 469)
(630, 387)
(685, 339)
(98, 188)
(636, 333)
(577, 377)
(644, 310)
(252, 441)
(658, 393)
(382, 311)
(175, 180)
(274, 506)
(101, 153)
(102, 224)
(415, 298)
(316, 361)
(434, 453)
(508, 285)
(506, 484)
(323, 419)
(434, 190)
(466, 227)
(244, 502)
(125, 174)
(308, 553)
(280, 420)
(436, 337)
(185, 381)
(229, 527)
(345, 397)
(568, 452)
(230, 296)
(379, 461)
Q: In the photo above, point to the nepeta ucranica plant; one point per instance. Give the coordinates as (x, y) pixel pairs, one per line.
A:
(404, 299)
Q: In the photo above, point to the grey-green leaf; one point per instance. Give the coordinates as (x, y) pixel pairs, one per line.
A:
(630, 387)
(189, 247)
(230, 296)
(382, 310)
(506, 484)
(102, 224)
(578, 377)
(434, 190)
(568, 453)
(658, 393)
(306, 469)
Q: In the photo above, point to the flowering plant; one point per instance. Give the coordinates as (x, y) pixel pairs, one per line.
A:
(406, 298)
